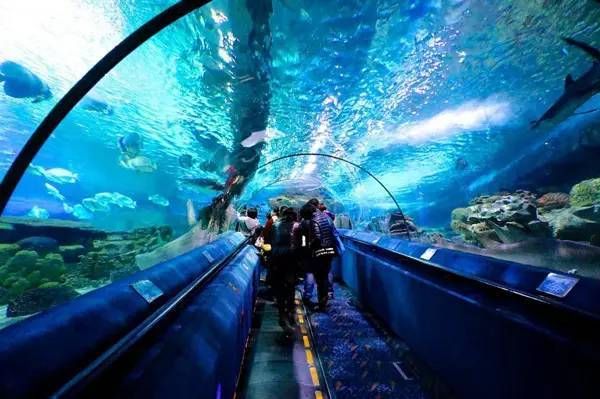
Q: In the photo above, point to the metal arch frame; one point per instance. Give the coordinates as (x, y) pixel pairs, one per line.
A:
(304, 154)
(83, 86)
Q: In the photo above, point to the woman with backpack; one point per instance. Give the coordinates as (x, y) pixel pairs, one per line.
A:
(283, 267)
(316, 238)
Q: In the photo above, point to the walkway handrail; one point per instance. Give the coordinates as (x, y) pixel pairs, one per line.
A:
(74, 387)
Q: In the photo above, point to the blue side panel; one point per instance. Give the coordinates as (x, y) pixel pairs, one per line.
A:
(39, 354)
(481, 345)
(585, 296)
(200, 354)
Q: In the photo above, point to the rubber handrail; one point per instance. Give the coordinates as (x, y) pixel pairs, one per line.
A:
(488, 283)
(74, 387)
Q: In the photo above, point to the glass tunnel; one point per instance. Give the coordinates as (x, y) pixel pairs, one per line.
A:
(454, 142)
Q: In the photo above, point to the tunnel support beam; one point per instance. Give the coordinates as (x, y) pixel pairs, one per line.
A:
(83, 86)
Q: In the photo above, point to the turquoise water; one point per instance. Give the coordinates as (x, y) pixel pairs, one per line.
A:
(435, 98)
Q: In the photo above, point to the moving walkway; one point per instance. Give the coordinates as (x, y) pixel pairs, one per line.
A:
(401, 326)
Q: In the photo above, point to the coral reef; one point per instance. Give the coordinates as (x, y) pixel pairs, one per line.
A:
(7, 251)
(39, 299)
(115, 256)
(586, 193)
(575, 223)
(39, 271)
(552, 201)
(71, 253)
(514, 217)
(503, 217)
(26, 270)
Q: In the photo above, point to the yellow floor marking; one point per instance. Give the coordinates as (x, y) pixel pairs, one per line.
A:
(309, 357)
(314, 376)
(306, 341)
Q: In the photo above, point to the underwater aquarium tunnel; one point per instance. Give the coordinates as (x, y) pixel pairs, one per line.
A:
(179, 177)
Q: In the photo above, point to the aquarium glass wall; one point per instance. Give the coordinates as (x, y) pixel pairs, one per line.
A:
(481, 118)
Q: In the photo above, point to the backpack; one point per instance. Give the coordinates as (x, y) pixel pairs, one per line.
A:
(281, 241)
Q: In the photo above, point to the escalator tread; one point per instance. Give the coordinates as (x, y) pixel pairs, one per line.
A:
(275, 366)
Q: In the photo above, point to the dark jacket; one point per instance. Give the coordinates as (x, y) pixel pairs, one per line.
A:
(281, 239)
(323, 235)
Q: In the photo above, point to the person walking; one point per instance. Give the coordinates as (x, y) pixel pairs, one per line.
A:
(283, 268)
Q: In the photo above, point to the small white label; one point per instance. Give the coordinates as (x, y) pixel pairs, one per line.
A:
(428, 254)
(557, 285)
(208, 256)
(147, 290)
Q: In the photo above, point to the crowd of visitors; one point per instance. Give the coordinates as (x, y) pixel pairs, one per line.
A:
(297, 244)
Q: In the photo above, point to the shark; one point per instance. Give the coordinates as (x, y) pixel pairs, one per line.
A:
(576, 91)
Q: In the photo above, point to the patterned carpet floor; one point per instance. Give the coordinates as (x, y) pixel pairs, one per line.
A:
(362, 359)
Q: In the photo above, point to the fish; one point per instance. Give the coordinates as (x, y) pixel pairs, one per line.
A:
(549, 253)
(95, 206)
(254, 139)
(204, 183)
(101, 202)
(56, 175)
(80, 212)
(139, 163)
(95, 105)
(131, 144)
(158, 200)
(576, 91)
(201, 136)
(123, 201)
(104, 198)
(38, 213)
(461, 164)
(20, 82)
(186, 161)
(39, 244)
(53, 191)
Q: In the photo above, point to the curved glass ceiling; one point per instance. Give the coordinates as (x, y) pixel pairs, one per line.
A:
(435, 98)
(409, 90)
